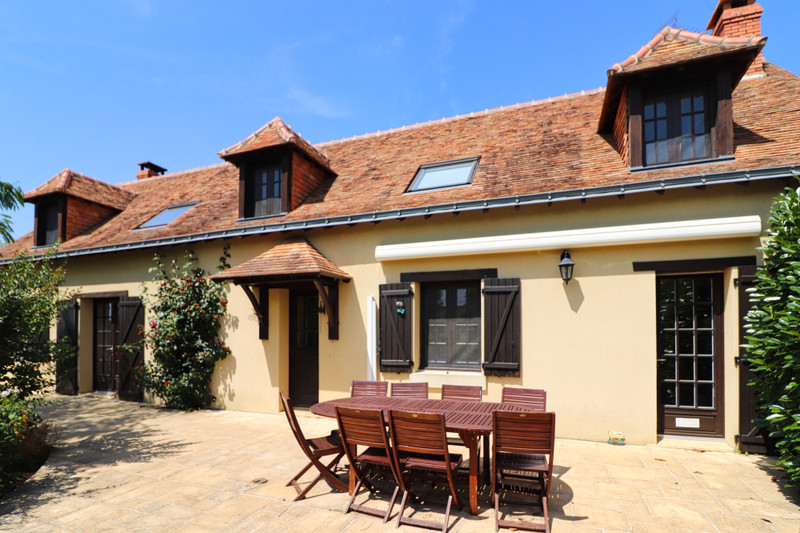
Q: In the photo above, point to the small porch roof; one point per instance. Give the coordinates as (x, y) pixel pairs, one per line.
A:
(295, 259)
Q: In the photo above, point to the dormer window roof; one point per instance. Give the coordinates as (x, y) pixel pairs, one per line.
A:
(167, 215)
(444, 175)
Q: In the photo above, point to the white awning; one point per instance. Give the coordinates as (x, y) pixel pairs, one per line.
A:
(712, 228)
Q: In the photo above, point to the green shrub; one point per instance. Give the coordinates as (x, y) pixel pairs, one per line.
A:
(30, 303)
(18, 427)
(773, 341)
(183, 337)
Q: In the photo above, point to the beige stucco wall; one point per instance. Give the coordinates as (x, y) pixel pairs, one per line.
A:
(591, 344)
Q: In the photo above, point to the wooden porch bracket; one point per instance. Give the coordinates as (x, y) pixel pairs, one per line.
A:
(256, 307)
(330, 303)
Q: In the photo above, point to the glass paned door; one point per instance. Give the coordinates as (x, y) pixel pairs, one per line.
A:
(690, 352)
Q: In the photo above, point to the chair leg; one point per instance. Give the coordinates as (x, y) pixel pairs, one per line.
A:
(447, 514)
(353, 497)
(324, 471)
(402, 508)
(391, 503)
(496, 512)
(293, 481)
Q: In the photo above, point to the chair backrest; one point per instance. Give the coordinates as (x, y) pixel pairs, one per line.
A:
(410, 390)
(524, 433)
(363, 427)
(418, 433)
(533, 399)
(369, 388)
(462, 392)
(288, 408)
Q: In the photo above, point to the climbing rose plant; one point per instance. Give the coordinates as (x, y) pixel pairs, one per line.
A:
(183, 335)
(773, 341)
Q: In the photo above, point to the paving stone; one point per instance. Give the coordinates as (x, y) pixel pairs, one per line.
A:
(121, 467)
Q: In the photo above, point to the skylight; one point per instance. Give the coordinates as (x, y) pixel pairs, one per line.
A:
(167, 215)
(443, 175)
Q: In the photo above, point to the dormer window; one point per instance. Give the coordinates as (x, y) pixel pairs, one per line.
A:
(444, 175)
(265, 184)
(48, 222)
(676, 127)
(263, 187)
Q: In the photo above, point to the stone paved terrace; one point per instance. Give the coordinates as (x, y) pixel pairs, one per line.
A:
(120, 466)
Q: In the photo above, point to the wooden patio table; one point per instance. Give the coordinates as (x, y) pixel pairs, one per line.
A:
(471, 420)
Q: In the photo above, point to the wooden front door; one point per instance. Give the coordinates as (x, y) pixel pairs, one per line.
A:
(304, 347)
(690, 355)
(118, 346)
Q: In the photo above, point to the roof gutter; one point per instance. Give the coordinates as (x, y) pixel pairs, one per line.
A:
(658, 186)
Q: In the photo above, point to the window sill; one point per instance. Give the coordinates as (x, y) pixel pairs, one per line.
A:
(679, 164)
(248, 219)
(436, 378)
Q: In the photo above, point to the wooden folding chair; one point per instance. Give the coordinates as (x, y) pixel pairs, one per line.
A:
(522, 457)
(462, 392)
(419, 440)
(315, 449)
(533, 399)
(365, 427)
(410, 390)
(368, 388)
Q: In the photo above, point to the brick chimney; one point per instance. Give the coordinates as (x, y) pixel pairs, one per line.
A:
(739, 18)
(148, 170)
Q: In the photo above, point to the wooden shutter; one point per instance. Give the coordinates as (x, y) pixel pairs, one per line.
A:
(502, 326)
(395, 349)
(751, 438)
(130, 361)
(67, 369)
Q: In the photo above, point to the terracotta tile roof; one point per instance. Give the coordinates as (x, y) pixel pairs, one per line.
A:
(671, 46)
(295, 258)
(275, 133)
(80, 186)
(534, 148)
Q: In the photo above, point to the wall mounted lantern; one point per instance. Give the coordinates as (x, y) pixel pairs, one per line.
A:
(566, 266)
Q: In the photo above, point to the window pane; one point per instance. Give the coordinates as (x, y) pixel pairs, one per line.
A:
(705, 395)
(699, 124)
(661, 129)
(668, 394)
(705, 368)
(686, 125)
(685, 318)
(686, 105)
(703, 316)
(698, 102)
(661, 109)
(649, 112)
(686, 342)
(452, 321)
(705, 342)
(650, 153)
(666, 316)
(649, 131)
(700, 146)
(667, 368)
(667, 342)
(685, 291)
(662, 152)
(445, 175)
(686, 392)
(702, 290)
(686, 368)
(167, 215)
(686, 148)
(666, 290)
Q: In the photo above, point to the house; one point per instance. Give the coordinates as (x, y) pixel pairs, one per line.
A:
(432, 252)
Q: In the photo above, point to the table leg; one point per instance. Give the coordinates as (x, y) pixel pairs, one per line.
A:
(471, 441)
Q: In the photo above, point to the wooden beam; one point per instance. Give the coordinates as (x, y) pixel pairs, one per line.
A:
(254, 302)
(331, 309)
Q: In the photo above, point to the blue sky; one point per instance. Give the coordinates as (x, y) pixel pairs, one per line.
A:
(98, 86)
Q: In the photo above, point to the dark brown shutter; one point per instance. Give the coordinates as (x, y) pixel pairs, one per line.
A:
(67, 368)
(635, 134)
(502, 326)
(395, 327)
(131, 359)
(724, 120)
(751, 439)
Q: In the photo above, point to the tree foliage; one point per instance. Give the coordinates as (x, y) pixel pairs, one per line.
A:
(183, 335)
(10, 198)
(773, 341)
(30, 303)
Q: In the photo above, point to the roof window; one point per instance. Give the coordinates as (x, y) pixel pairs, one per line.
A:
(444, 175)
(167, 215)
